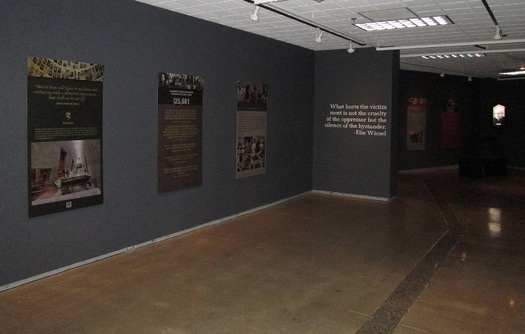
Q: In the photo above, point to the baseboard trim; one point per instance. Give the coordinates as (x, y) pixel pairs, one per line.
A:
(134, 247)
(374, 198)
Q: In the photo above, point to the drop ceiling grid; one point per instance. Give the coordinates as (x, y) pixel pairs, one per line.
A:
(423, 10)
(511, 18)
(381, 4)
(472, 23)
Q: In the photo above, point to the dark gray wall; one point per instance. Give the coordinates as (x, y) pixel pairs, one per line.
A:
(134, 42)
(508, 141)
(475, 99)
(437, 91)
(343, 161)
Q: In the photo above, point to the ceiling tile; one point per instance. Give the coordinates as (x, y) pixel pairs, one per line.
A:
(472, 24)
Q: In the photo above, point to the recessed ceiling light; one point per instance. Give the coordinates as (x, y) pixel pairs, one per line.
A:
(513, 73)
(448, 56)
(405, 23)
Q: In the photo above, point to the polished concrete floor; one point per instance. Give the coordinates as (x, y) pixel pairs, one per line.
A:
(447, 255)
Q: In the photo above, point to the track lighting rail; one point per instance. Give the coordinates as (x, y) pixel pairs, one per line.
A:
(303, 20)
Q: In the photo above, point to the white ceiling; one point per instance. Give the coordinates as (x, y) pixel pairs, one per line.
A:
(473, 28)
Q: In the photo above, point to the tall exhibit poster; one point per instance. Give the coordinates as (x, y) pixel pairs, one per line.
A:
(179, 149)
(449, 127)
(416, 123)
(64, 112)
(252, 100)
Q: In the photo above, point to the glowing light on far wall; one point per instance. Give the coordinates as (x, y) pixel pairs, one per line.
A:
(494, 224)
(495, 229)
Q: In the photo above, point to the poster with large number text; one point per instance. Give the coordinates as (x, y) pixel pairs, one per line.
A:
(64, 111)
(252, 100)
(179, 149)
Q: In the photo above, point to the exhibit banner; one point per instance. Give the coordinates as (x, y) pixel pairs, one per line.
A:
(252, 101)
(449, 127)
(498, 116)
(179, 150)
(416, 123)
(64, 112)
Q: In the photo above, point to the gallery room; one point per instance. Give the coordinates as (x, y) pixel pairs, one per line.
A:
(262, 166)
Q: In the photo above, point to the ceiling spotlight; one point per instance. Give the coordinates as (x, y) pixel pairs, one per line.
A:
(319, 36)
(499, 34)
(254, 16)
(350, 49)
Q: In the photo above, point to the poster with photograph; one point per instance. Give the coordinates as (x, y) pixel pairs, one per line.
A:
(64, 112)
(252, 100)
(498, 116)
(416, 123)
(179, 151)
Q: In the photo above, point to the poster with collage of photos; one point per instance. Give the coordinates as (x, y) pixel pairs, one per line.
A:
(252, 102)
